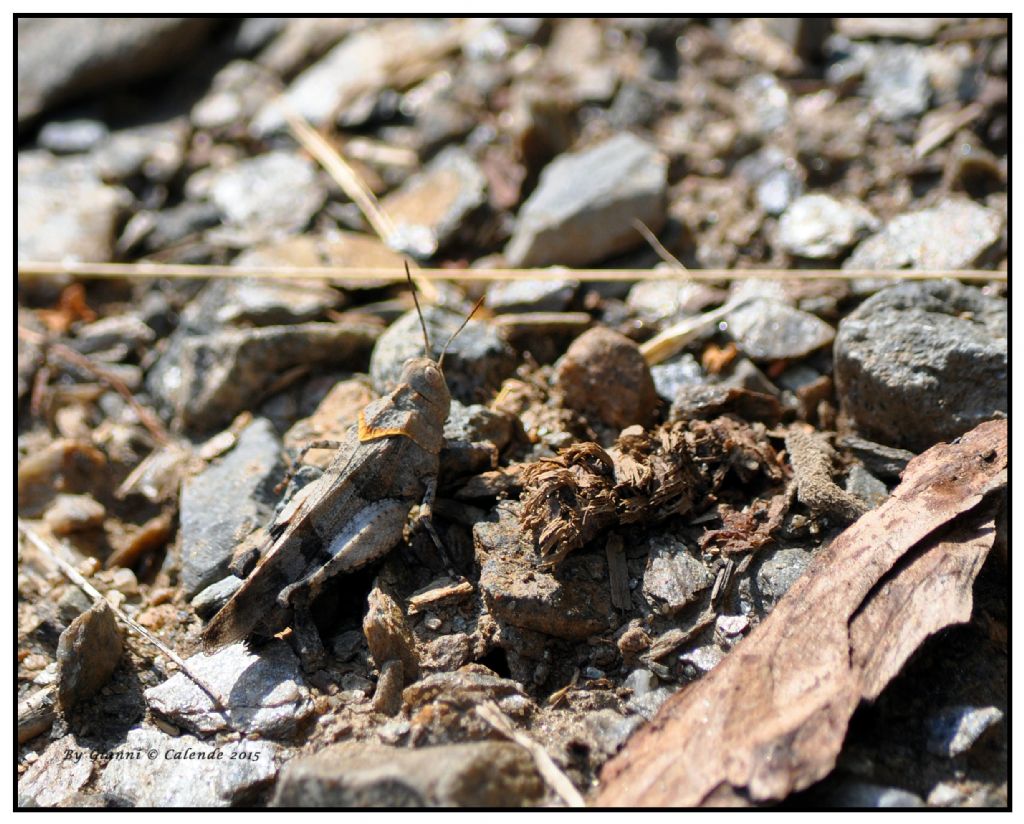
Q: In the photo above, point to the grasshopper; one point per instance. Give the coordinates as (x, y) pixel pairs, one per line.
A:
(352, 515)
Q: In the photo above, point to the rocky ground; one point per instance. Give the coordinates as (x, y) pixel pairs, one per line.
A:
(157, 416)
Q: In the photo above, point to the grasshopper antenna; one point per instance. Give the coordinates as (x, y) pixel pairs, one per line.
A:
(472, 312)
(423, 324)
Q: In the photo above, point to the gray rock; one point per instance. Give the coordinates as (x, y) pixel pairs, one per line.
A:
(207, 379)
(768, 330)
(269, 302)
(852, 793)
(954, 730)
(641, 681)
(236, 93)
(673, 576)
(272, 194)
(158, 770)
(701, 661)
(434, 206)
(896, 80)
(763, 105)
(585, 203)
(920, 363)
(953, 235)
(572, 602)
(778, 572)
(358, 69)
(87, 655)
(821, 227)
(609, 730)
(530, 295)
(225, 502)
(776, 177)
(74, 513)
(213, 597)
(477, 423)
(65, 212)
(477, 362)
(153, 231)
(866, 487)
(880, 460)
(155, 151)
(63, 58)
(111, 331)
(263, 690)
(485, 774)
(55, 778)
(680, 372)
(71, 136)
(648, 704)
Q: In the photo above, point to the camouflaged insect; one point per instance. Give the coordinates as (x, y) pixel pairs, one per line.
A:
(353, 514)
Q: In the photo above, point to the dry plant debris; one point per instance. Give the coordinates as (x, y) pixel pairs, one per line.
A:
(771, 718)
(648, 475)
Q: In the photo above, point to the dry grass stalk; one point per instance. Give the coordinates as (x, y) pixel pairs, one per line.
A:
(79, 580)
(143, 269)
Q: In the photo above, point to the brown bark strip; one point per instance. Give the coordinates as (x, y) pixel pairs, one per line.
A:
(771, 718)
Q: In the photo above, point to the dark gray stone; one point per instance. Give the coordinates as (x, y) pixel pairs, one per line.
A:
(954, 730)
(768, 330)
(956, 234)
(111, 331)
(585, 203)
(674, 577)
(207, 379)
(155, 151)
(225, 502)
(865, 486)
(820, 226)
(64, 58)
(477, 362)
(160, 770)
(531, 295)
(87, 655)
(920, 363)
(778, 572)
(484, 774)
(213, 597)
(263, 690)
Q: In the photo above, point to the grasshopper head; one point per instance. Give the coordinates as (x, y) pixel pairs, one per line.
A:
(424, 377)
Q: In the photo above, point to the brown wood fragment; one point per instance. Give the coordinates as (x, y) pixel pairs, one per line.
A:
(439, 592)
(812, 456)
(618, 573)
(770, 719)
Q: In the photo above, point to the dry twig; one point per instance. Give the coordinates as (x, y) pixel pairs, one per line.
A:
(548, 769)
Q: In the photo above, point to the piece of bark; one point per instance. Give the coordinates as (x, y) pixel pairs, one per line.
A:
(770, 719)
(618, 572)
